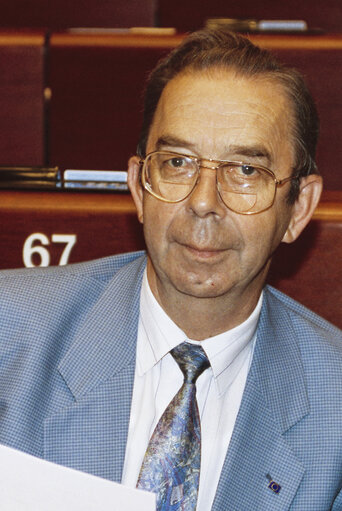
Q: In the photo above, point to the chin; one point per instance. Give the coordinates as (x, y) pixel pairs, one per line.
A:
(208, 289)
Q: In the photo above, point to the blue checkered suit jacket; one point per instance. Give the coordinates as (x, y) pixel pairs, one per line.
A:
(67, 358)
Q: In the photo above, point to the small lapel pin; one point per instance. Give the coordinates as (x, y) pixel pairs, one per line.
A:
(275, 487)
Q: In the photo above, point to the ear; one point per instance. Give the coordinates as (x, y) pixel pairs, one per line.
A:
(304, 207)
(134, 184)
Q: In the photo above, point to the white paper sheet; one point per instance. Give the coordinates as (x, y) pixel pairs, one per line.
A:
(28, 483)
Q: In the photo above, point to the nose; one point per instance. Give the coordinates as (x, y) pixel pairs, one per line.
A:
(205, 199)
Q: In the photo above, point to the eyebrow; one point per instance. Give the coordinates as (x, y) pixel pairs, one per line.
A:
(172, 141)
(252, 151)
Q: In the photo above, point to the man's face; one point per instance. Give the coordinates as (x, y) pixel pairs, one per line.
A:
(198, 247)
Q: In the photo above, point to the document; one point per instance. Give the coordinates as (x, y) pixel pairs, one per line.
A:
(28, 483)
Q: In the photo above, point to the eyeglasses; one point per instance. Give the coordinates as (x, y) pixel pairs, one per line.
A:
(243, 187)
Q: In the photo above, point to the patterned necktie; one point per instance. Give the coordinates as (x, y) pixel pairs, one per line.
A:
(171, 466)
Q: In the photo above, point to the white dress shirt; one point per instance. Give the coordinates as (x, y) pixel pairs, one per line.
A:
(158, 378)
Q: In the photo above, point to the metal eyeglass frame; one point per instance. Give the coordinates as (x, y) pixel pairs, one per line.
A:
(198, 161)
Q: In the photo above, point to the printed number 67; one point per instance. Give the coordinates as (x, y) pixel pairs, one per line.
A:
(29, 248)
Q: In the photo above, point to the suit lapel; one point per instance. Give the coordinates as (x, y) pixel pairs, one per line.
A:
(274, 400)
(99, 370)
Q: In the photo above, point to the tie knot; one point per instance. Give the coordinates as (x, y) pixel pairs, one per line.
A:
(191, 359)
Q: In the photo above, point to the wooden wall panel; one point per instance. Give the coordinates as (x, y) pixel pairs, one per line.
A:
(76, 13)
(21, 98)
(310, 269)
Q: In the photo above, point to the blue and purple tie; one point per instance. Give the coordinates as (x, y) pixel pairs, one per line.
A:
(171, 466)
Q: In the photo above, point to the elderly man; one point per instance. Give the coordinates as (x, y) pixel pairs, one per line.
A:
(178, 371)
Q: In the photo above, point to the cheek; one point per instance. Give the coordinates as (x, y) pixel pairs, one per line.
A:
(262, 234)
(158, 217)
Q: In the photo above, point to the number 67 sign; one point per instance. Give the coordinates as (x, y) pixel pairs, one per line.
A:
(37, 245)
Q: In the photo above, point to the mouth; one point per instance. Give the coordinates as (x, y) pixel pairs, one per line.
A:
(203, 252)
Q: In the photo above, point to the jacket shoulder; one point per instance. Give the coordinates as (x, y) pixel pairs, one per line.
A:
(306, 324)
(101, 269)
(41, 300)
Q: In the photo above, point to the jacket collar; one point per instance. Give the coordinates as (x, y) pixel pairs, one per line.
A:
(106, 341)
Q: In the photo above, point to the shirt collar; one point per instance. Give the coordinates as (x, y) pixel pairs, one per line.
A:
(159, 335)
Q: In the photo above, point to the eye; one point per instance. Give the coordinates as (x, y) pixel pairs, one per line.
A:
(175, 167)
(177, 162)
(248, 170)
(241, 171)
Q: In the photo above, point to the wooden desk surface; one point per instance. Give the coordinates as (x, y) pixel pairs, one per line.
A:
(22, 37)
(126, 40)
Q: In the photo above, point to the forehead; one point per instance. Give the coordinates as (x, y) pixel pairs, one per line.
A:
(213, 113)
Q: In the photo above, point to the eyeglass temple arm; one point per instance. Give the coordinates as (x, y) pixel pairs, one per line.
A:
(280, 182)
